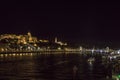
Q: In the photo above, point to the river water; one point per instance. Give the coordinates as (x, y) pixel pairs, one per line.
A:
(56, 66)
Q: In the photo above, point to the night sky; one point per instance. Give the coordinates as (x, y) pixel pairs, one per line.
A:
(89, 23)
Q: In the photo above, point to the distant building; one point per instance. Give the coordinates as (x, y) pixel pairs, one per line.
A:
(21, 38)
(44, 41)
(59, 42)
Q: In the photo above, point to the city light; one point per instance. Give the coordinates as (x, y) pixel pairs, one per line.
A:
(119, 76)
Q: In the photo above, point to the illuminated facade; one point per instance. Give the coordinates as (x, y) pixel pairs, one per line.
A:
(59, 42)
(21, 38)
(28, 42)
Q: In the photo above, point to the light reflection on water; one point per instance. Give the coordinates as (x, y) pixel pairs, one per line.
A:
(36, 66)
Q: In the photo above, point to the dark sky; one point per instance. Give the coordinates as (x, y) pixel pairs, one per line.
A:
(95, 23)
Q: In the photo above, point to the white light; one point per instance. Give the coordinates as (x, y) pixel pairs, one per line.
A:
(59, 48)
(118, 52)
(101, 51)
(14, 54)
(114, 56)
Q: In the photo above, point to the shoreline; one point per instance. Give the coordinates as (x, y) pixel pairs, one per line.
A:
(52, 51)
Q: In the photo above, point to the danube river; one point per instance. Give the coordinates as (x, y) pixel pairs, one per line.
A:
(56, 66)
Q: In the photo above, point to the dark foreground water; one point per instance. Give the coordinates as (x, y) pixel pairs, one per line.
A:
(36, 66)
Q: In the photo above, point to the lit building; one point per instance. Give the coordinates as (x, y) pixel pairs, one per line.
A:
(59, 42)
(45, 41)
(21, 38)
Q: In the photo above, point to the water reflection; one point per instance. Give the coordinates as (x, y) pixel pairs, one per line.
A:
(37, 66)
